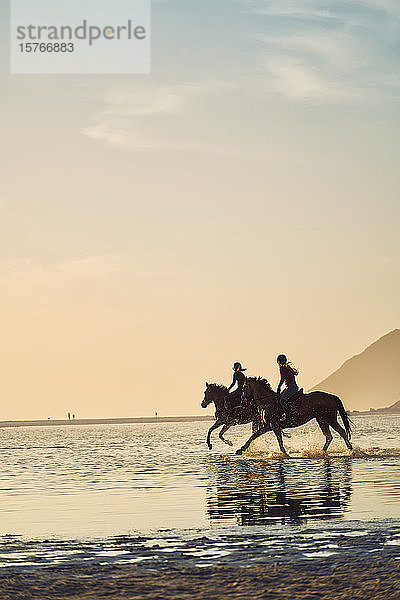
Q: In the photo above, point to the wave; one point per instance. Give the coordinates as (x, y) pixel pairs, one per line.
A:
(357, 452)
(310, 452)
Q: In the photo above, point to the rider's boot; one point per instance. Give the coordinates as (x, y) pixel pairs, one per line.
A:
(286, 414)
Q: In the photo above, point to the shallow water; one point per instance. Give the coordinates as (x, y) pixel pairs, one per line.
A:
(104, 480)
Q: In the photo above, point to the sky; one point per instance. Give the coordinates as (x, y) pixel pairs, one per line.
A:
(239, 202)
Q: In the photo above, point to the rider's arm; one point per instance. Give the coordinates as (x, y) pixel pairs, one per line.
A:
(233, 382)
(282, 381)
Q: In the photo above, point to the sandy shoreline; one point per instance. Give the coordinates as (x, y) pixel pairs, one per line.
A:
(342, 561)
(121, 421)
(339, 579)
(124, 420)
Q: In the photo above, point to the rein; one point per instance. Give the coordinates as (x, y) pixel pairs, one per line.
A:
(262, 398)
(266, 398)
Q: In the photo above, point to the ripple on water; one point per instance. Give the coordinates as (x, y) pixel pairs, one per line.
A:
(105, 480)
(230, 546)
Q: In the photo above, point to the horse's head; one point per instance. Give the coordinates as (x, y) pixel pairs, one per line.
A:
(207, 396)
(213, 393)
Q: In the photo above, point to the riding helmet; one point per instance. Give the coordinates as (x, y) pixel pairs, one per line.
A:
(237, 365)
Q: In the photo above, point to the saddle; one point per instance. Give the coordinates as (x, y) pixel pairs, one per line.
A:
(298, 398)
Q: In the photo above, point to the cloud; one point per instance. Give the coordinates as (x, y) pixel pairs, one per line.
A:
(163, 118)
(121, 132)
(131, 117)
(298, 81)
(105, 280)
(335, 52)
(318, 67)
(27, 272)
(304, 51)
(128, 101)
(323, 9)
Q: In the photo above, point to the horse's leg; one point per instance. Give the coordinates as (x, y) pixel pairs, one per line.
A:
(252, 438)
(215, 426)
(278, 433)
(221, 434)
(341, 432)
(327, 433)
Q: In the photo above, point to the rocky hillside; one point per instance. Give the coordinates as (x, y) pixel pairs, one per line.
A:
(370, 379)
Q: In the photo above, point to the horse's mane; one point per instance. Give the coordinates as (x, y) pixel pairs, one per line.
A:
(218, 386)
(260, 380)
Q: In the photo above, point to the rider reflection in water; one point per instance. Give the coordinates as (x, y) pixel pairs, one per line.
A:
(266, 492)
(288, 376)
(233, 399)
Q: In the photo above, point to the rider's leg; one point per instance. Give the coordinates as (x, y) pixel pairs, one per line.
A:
(284, 403)
(288, 393)
(232, 400)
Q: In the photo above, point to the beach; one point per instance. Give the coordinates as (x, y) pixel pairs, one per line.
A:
(378, 580)
(115, 421)
(342, 561)
(145, 510)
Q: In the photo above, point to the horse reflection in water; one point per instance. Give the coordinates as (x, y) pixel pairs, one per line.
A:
(261, 493)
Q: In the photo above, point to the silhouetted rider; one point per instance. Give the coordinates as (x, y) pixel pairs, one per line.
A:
(288, 377)
(233, 399)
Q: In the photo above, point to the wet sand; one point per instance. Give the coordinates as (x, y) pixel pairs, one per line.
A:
(339, 579)
(338, 562)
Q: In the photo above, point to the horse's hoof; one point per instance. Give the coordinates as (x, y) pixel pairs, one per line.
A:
(229, 442)
(286, 455)
(210, 446)
(239, 451)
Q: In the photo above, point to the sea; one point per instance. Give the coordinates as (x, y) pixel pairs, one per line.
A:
(131, 493)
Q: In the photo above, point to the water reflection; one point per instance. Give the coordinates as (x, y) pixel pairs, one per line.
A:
(262, 492)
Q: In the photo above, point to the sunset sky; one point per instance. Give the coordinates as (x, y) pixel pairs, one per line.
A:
(239, 202)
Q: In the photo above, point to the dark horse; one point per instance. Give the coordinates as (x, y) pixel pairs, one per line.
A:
(240, 416)
(321, 406)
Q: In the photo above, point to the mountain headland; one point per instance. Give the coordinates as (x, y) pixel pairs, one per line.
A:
(369, 379)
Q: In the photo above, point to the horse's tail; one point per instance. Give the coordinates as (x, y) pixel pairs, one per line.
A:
(345, 418)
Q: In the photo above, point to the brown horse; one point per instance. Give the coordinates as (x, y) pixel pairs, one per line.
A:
(321, 406)
(240, 416)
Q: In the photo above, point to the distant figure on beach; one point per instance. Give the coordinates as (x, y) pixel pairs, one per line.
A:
(156, 414)
(288, 377)
(233, 399)
(69, 416)
(73, 416)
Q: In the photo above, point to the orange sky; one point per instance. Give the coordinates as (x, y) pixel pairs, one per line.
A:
(239, 202)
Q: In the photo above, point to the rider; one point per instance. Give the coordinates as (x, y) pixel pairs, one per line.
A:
(288, 376)
(233, 399)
